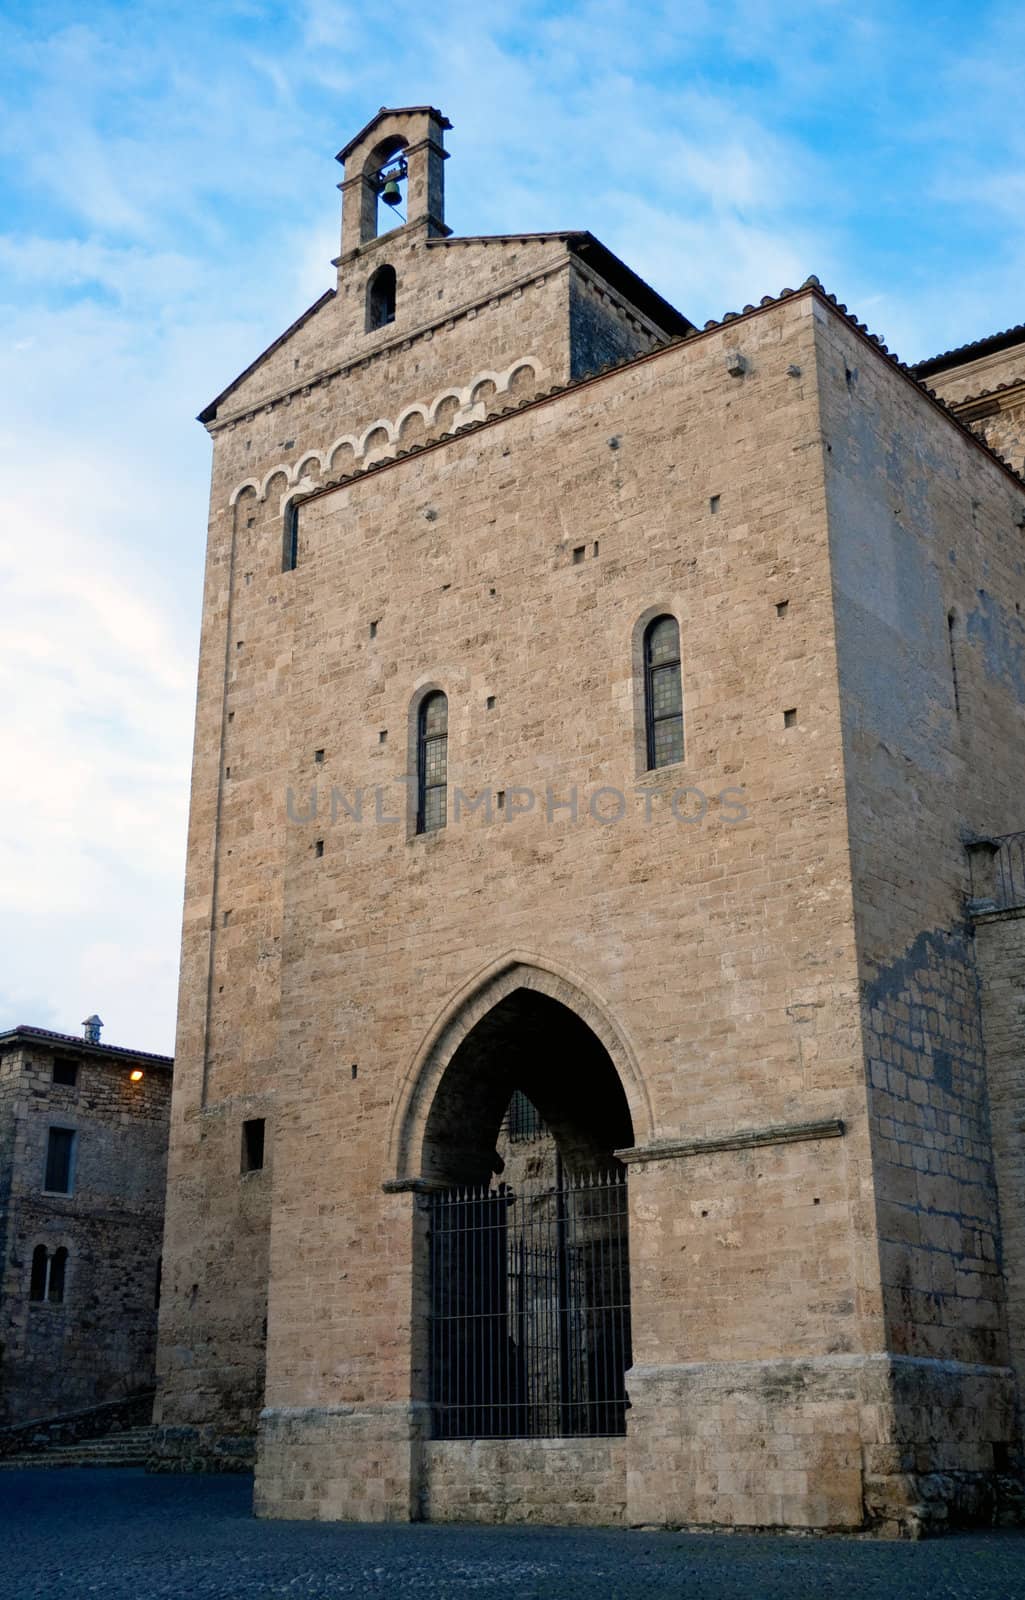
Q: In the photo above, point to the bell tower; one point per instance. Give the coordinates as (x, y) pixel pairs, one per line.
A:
(398, 148)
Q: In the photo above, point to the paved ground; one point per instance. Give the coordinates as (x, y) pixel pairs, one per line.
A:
(121, 1535)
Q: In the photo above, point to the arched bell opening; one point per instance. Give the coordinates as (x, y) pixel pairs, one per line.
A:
(388, 173)
(528, 1293)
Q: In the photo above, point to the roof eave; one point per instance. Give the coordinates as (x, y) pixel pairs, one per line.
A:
(390, 111)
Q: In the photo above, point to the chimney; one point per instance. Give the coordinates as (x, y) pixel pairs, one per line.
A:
(91, 1029)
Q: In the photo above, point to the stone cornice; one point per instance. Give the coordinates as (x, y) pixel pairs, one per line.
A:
(742, 1139)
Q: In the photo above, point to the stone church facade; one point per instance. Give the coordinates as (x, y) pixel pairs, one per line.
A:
(615, 724)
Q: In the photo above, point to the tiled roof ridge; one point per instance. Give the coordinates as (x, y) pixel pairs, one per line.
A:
(811, 284)
(26, 1030)
(974, 350)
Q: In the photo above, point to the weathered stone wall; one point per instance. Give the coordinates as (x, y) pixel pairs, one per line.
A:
(99, 1343)
(602, 330)
(709, 972)
(479, 325)
(926, 555)
(1000, 948)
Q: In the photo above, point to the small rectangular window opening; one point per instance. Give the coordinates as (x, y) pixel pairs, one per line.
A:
(60, 1150)
(318, 756)
(713, 504)
(382, 737)
(318, 848)
(373, 630)
(252, 1144)
(781, 607)
(578, 554)
(594, 548)
(790, 718)
(65, 1073)
(490, 702)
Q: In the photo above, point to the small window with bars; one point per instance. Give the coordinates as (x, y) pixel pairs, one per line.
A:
(432, 764)
(663, 693)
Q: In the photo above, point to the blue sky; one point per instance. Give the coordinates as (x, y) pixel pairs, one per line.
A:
(167, 206)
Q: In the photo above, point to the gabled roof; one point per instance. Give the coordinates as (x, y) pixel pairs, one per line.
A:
(593, 254)
(23, 1034)
(209, 412)
(959, 357)
(582, 244)
(390, 111)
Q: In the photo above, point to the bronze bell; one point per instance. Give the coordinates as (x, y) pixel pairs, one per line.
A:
(391, 194)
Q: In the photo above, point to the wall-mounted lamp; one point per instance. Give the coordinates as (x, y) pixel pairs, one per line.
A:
(136, 1076)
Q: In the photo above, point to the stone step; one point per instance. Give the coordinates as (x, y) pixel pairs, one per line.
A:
(127, 1449)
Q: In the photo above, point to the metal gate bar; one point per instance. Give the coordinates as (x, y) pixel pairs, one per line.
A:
(530, 1310)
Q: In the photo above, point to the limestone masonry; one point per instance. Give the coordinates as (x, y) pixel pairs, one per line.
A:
(598, 1077)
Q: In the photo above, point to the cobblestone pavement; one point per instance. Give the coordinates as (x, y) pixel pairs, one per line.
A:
(121, 1535)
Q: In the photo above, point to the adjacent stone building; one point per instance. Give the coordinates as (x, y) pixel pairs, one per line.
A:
(83, 1156)
(594, 716)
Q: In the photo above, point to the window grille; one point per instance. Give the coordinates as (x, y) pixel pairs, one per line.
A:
(432, 764)
(522, 1121)
(530, 1310)
(663, 692)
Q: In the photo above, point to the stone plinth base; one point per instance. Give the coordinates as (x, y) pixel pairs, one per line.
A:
(895, 1445)
(566, 1481)
(899, 1445)
(340, 1463)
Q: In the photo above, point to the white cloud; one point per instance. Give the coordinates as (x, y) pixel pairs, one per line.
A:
(178, 172)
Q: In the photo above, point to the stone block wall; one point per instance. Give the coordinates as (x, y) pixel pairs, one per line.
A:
(926, 556)
(1000, 948)
(99, 1342)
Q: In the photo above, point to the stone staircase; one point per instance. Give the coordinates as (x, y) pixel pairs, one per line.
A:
(129, 1448)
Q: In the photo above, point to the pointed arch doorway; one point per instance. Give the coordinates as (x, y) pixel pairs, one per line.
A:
(525, 1326)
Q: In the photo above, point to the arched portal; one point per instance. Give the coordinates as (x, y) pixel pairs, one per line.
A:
(528, 1303)
(533, 1043)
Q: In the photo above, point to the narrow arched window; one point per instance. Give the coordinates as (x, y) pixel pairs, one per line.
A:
(663, 692)
(381, 298)
(432, 763)
(290, 551)
(37, 1288)
(58, 1269)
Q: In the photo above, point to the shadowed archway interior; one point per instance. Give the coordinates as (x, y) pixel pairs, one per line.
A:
(530, 1042)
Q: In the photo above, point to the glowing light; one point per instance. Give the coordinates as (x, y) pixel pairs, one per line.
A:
(136, 1076)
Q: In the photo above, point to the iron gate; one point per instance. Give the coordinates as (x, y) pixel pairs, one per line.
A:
(530, 1310)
